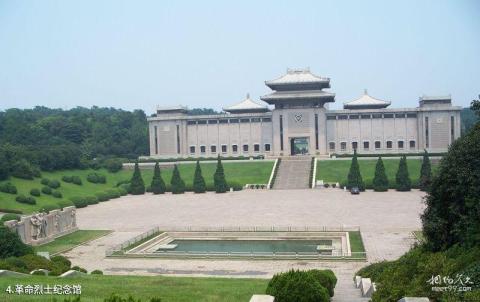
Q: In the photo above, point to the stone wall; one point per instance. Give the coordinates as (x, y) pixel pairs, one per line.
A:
(41, 228)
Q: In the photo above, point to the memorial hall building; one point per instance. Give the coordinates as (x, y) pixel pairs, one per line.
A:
(298, 122)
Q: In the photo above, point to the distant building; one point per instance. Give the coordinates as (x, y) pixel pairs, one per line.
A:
(300, 123)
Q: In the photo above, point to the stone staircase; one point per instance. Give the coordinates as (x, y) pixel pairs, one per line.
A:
(293, 173)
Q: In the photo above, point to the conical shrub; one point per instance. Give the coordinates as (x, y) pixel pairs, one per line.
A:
(177, 183)
(158, 185)
(403, 179)
(380, 181)
(137, 186)
(425, 173)
(219, 181)
(354, 176)
(198, 181)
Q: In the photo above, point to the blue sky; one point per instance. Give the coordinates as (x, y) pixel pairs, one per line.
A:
(137, 54)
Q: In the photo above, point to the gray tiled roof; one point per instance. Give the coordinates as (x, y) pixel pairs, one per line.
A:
(295, 76)
(303, 94)
(366, 101)
(246, 104)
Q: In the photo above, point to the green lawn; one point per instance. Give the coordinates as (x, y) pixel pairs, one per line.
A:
(337, 170)
(238, 172)
(71, 240)
(356, 244)
(169, 289)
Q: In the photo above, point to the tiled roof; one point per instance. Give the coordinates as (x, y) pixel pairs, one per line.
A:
(304, 94)
(367, 101)
(295, 76)
(246, 104)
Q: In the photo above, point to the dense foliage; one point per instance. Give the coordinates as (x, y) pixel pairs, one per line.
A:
(219, 180)
(425, 173)
(403, 178)
(380, 180)
(354, 178)
(158, 185)
(302, 286)
(11, 245)
(199, 185)
(137, 186)
(177, 183)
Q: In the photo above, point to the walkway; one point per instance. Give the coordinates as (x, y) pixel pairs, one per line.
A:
(293, 173)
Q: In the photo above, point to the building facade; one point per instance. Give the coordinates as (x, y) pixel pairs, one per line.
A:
(301, 124)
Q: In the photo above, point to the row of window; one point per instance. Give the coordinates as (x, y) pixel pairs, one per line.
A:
(370, 116)
(230, 121)
(234, 148)
(377, 145)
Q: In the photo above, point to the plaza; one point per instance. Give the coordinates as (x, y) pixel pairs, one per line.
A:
(386, 234)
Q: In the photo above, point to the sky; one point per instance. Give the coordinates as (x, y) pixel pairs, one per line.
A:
(140, 54)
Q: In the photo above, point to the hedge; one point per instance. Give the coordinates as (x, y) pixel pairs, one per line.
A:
(96, 178)
(35, 192)
(46, 190)
(8, 188)
(25, 199)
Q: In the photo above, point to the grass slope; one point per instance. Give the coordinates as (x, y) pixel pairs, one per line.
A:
(238, 172)
(169, 289)
(337, 170)
(71, 240)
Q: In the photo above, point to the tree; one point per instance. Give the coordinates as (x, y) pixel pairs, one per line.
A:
(198, 181)
(11, 245)
(157, 185)
(425, 173)
(354, 176)
(219, 181)
(177, 183)
(403, 179)
(4, 166)
(380, 181)
(137, 186)
(453, 200)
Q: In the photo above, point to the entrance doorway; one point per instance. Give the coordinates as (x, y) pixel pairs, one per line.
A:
(299, 145)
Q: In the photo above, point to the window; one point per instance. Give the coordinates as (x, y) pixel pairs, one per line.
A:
(178, 139)
(223, 121)
(389, 144)
(366, 145)
(245, 148)
(366, 116)
(202, 149)
(281, 132)
(378, 145)
(400, 115)
(427, 143)
(156, 139)
(191, 122)
(266, 120)
(353, 117)
(343, 146)
(389, 115)
(316, 131)
(411, 115)
(400, 144)
(255, 120)
(378, 115)
(412, 144)
(192, 149)
(331, 117)
(213, 149)
(331, 146)
(267, 147)
(233, 120)
(224, 148)
(245, 120)
(234, 148)
(354, 145)
(342, 117)
(213, 121)
(452, 129)
(202, 122)
(256, 148)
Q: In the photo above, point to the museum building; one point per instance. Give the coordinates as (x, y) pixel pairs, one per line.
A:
(298, 122)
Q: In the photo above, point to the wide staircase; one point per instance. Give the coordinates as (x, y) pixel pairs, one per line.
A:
(293, 173)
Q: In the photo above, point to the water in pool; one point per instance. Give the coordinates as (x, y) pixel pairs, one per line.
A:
(249, 246)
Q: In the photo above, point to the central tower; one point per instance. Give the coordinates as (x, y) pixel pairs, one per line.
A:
(299, 118)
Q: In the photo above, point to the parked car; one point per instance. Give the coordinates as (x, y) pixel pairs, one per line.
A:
(355, 190)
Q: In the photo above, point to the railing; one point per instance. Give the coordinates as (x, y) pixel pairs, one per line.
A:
(273, 175)
(256, 186)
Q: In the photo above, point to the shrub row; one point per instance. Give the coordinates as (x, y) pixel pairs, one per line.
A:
(54, 184)
(8, 188)
(72, 179)
(57, 265)
(96, 178)
(84, 201)
(24, 199)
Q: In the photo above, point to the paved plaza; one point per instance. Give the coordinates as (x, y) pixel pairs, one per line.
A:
(386, 221)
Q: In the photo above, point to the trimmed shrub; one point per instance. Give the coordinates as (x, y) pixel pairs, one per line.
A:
(113, 165)
(177, 183)
(54, 184)
(45, 181)
(158, 185)
(79, 202)
(295, 285)
(79, 269)
(49, 207)
(8, 188)
(425, 173)
(23, 169)
(199, 185)
(125, 187)
(403, 179)
(35, 192)
(380, 180)
(91, 200)
(354, 176)
(46, 190)
(11, 244)
(24, 199)
(57, 194)
(96, 178)
(67, 179)
(96, 272)
(64, 203)
(112, 193)
(326, 278)
(122, 191)
(77, 180)
(219, 178)
(102, 196)
(232, 184)
(9, 216)
(137, 186)
(61, 260)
